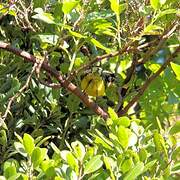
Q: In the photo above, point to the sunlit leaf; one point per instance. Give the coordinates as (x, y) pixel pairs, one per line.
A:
(28, 143)
(93, 165)
(176, 69)
(135, 171)
(155, 4)
(153, 29)
(123, 136)
(175, 129)
(48, 38)
(115, 6)
(98, 44)
(68, 5)
(126, 165)
(78, 150)
(165, 12)
(20, 148)
(45, 17)
(109, 163)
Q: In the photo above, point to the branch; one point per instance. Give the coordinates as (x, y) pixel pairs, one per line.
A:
(100, 58)
(65, 83)
(148, 82)
(162, 40)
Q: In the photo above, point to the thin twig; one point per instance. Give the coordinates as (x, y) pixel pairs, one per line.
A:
(147, 83)
(3, 118)
(162, 40)
(100, 58)
(65, 83)
(51, 85)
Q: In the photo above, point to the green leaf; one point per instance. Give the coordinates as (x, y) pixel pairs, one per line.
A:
(69, 5)
(122, 7)
(50, 173)
(176, 168)
(43, 141)
(3, 137)
(42, 16)
(71, 160)
(155, 4)
(48, 38)
(47, 164)
(123, 136)
(113, 117)
(10, 171)
(143, 154)
(108, 162)
(112, 113)
(75, 34)
(55, 148)
(115, 6)
(126, 165)
(20, 148)
(78, 150)
(39, 3)
(93, 165)
(135, 171)
(36, 154)
(176, 153)
(9, 163)
(18, 137)
(124, 121)
(149, 165)
(175, 129)
(28, 143)
(98, 44)
(101, 139)
(159, 142)
(152, 29)
(165, 12)
(73, 103)
(176, 69)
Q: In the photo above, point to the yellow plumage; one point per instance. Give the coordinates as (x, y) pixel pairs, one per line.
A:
(93, 85)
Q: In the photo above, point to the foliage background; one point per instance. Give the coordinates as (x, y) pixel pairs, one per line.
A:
(51, 131)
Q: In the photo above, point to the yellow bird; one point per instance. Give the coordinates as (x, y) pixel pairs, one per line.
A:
(93, 85)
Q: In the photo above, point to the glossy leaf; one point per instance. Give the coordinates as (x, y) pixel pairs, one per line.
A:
(108, 163)
(124, 121)
(148, 166)
(42, 16)
(123, 136)
(155, 4)
(175, 129)
(98, 44)
(176, 69)
(20, 148)
(28, 143)
(135, 171)
(68, 5)
(115, 6)
(93, 165)
(48, 38)
(3, 137)
(38, 156)
(126, 165)
(159, 142)
(78, 150)
(71, 160)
